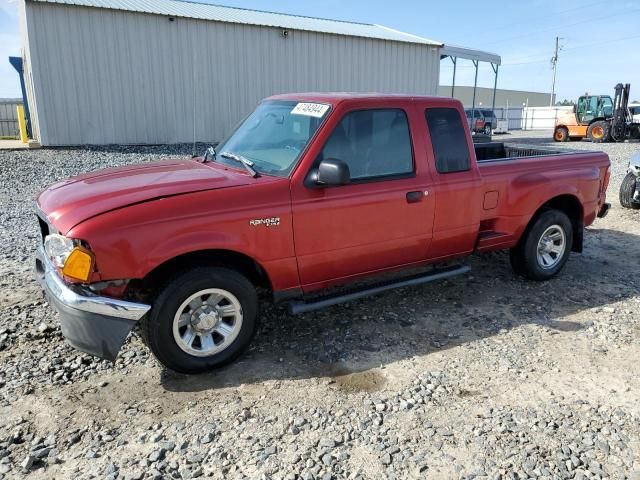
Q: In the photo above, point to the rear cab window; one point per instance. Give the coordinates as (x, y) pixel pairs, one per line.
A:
(448, 140)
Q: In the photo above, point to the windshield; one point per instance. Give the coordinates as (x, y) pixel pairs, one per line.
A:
(274, 136)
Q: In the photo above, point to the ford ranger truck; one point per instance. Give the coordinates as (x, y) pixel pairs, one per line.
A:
(311, 197)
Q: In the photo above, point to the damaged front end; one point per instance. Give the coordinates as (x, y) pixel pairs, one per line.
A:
(94, 324)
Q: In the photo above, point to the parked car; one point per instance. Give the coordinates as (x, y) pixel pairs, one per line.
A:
(484, 120)
(477, 124)
(491, 121)
(634, 110)
(630, 186)
(312, 191)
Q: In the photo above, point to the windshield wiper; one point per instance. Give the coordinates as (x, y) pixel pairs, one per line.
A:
(248, 164)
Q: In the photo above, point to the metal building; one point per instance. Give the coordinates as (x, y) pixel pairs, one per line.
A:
(168, 71)
(484, 97)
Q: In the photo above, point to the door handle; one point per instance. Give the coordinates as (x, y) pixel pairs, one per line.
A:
(414, 197)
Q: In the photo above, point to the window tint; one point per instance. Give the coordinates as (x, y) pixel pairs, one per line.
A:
(373, 143)
(449, 141)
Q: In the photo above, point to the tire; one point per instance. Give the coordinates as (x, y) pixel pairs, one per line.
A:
(487, 129)
(599, 132)
(561, 134)
(627, 189)
(167, 336)
(556, 227)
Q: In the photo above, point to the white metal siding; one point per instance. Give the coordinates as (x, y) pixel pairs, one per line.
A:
(27, 71)
(106, 76)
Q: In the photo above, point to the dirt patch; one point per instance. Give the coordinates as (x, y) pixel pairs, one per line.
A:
(352, 382)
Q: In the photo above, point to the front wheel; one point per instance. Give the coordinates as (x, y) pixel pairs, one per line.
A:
(487, 129)
(201, 320)
(561, 134)
(599, 132)
(544, 248)
(627, 190)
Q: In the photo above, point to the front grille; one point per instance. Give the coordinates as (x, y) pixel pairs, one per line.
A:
(45, 227)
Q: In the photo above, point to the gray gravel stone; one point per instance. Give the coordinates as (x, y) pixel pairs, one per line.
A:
(529, 380)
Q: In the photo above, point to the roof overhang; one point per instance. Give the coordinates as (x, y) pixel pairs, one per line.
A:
(205, 11)
(469, 54)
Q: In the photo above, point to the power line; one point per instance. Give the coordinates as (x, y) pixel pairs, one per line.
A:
(575, 47)
(561, 12)
(591, 19)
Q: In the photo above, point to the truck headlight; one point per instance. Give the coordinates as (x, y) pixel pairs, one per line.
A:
(58, 248)
(75, 261)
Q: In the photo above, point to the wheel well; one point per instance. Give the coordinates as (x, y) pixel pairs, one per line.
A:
(572, 207)
(598, 119)
(160, 275)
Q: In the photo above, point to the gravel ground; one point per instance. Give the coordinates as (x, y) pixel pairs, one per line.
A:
(484, 376)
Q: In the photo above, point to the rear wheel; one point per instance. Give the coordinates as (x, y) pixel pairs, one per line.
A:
(627, 189)
(203, 319)
(544, 248)
(487, 129)
(598, 132)
(561, 134)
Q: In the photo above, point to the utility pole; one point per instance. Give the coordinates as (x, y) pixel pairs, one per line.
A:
(554, 63)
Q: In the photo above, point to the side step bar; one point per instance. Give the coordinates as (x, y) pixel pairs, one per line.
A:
(296, 307)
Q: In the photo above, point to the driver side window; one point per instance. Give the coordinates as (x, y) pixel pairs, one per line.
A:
(373, 143)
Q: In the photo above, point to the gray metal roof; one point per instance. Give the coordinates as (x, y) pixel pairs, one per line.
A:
(469, 54)
(203, 11)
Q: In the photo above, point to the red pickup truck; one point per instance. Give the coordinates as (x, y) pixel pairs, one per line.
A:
(311, 191)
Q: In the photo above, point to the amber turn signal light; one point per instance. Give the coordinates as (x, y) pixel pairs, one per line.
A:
(79, 264)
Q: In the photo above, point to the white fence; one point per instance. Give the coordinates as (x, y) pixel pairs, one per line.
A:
(531, 118)
(542, 118)
(9, 117)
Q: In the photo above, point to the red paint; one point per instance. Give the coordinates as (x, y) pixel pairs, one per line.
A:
(136, 218)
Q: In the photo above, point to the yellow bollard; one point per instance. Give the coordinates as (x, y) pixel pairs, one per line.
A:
(22, 125)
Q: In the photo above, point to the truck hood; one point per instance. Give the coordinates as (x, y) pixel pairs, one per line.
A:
(72, 201)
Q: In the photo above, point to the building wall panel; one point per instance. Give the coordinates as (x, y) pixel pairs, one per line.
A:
(105, 76)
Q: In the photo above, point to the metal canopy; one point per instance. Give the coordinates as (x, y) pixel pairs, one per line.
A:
(476, 56)
(469, 54)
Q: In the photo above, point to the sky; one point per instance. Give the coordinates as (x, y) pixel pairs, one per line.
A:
(600, 41)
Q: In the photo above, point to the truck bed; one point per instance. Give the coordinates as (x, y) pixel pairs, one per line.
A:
(497, 151)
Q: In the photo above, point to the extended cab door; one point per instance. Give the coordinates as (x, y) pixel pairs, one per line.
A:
(457, 183)
(383, 217)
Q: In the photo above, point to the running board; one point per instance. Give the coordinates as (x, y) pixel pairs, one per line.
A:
(297, 307)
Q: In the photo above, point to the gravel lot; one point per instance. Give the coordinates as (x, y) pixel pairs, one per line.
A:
(484, 376)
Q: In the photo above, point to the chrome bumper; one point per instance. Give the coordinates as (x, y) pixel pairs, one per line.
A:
(91, 323)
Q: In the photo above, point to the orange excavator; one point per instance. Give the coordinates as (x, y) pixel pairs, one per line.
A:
(599, 118)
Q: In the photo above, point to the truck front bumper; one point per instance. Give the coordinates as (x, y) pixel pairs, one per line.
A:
(91, 323)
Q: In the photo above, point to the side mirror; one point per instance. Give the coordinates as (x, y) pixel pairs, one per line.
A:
(332, 172)
(209, 153)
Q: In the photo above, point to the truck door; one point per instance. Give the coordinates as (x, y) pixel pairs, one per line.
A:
(382, 218)
(457, 184)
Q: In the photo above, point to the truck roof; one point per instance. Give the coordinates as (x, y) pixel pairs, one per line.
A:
(338, 97)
